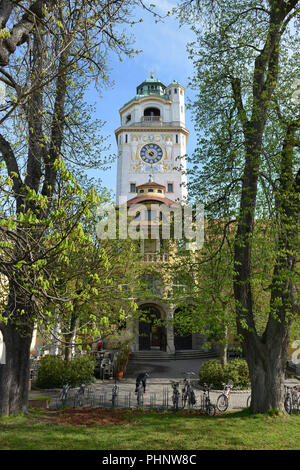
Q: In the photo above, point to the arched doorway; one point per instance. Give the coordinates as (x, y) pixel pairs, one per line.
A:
(152, 333)
(181, 340)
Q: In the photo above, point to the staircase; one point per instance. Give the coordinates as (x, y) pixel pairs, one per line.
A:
(194, 354)
(152, 355)
(145, 356)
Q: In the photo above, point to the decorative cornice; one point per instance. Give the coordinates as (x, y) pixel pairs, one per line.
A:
(151, 129)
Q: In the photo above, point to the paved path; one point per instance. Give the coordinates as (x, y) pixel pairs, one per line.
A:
(158, 390)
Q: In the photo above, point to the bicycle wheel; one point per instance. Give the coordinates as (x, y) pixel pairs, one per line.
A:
(175, 402)
(249, 401)
(288, 406)
(222, 403)
(210, 409)
(140, 399)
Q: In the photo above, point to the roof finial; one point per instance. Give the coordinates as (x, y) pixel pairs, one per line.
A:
(151, 74)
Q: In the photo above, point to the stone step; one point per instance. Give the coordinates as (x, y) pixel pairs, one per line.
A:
(194, 354)
(139, 356)
(150, 356)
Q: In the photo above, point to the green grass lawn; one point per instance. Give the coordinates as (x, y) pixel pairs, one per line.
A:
(155, 431)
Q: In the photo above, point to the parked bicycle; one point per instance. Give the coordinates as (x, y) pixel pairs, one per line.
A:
(249, 401)
(176, 395)
(140, 394)
(206, 403)
(78, 398)
(115, 393)
(188, 394)
(64, 394)
(291, 399)
(224, 398)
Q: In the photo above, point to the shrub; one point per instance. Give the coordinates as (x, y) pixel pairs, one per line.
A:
(80, 370)
(212, 372)
(50, 373)
(54, 371)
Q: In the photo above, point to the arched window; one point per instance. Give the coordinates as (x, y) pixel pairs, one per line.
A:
(151, 112)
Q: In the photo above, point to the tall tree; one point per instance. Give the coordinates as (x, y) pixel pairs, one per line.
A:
(49, 51)
(241, 54)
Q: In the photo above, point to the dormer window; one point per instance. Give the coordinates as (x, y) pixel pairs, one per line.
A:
(150, 190)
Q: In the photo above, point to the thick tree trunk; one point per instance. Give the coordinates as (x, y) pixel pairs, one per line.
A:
(17, 335)
(14, 375)
(267, 366)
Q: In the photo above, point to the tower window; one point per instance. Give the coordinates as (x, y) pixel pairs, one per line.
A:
(151, 112)
(150, 191)
(170, 188)
(175, 90)
(126, 138)
(159, 191)
(176, 138)
(128, 118)
(132, 187)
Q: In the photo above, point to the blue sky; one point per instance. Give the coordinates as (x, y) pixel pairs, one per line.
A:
(163, 46)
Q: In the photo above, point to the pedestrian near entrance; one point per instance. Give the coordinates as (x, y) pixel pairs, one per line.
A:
(142, 377)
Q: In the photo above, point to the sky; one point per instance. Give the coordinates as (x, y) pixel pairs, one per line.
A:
(163, 46)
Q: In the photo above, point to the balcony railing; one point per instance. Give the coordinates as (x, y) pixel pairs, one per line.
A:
(151, 119)
(156, 257)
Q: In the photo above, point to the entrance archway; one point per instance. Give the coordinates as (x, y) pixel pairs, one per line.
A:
(152, 333)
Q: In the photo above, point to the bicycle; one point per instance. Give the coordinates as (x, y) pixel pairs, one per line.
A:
(291, 399)
(78, 399)
(176, 394)
(64, 394)
(188, 394)
(206, 403)
(140, 394)
(115, 393)
(248, 401)
(224, 398)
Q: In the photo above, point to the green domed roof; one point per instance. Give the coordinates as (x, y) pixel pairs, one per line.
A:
(151, 86)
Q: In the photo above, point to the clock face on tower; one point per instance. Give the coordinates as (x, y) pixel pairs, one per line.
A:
(151, 153)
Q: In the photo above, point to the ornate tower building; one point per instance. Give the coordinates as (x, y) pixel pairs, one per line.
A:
(152, 142)
(152, 139)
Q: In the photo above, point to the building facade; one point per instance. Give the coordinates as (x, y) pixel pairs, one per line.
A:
(152, 141)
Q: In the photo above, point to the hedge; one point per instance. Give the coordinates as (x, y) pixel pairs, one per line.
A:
(54, 371)
(212, 372)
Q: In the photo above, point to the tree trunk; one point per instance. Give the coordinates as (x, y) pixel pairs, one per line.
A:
(70, 337)
(14, 375)
(224, 347)
(267, 366)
